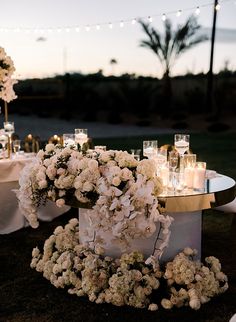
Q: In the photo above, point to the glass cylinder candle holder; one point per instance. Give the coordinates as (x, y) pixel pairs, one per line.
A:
(81, 137)
(150, 149)
(69, 139)
(199, 176)
(164, 174)
(189, 161)
(136, 153)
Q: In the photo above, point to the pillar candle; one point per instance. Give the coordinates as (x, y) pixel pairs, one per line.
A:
(199, 176)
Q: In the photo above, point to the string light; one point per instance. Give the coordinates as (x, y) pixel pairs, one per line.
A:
(163, 17)
(197, 11)
(179, 12)
(121, 23)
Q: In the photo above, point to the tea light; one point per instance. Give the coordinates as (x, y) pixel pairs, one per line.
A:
(9, 127)
(69, 142)
(199, 176)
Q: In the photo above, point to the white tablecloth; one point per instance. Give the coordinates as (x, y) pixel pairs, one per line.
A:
(11, 219)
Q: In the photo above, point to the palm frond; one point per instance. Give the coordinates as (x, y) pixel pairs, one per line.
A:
(169, 46)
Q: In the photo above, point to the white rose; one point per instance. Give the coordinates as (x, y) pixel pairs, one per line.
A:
(116, 181)
(43, 184)
(61, 171)
(49, 147)
(87, 186)
(92, 164)
(60, 202)
(40, 154)
(152, 307)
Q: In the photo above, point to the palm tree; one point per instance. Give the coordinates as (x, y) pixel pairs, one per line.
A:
(171, 44)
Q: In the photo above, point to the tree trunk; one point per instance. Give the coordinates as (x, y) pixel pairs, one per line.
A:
(167, 90)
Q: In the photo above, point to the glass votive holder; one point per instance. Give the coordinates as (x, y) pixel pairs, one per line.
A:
(150, 149)
(69, 139)
(189, 161)
(9, 128)
(136, 153)
(16, 146)
(199, 176)
(81, 136)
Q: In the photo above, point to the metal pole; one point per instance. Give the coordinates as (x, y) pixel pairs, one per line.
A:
(209, 94)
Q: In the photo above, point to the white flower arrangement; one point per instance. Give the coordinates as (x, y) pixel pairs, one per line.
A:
(7, 69)
(128, 280)
(121, 192)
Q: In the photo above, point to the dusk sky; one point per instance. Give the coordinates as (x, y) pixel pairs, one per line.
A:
(66, 50)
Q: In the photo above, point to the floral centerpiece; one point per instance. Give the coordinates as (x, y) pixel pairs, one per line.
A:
(121, 192)
(7, 69)
(6, 82)
(121, 196)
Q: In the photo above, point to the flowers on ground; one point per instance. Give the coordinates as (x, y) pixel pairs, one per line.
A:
(128, 280)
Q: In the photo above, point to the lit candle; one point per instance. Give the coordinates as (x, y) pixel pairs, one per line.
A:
(199, 176)
(69, 142)
(81, 138)
(188, 177)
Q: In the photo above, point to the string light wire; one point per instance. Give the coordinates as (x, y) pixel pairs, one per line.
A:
(121, 23)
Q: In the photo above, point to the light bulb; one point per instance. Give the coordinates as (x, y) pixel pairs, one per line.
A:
(163, 17)
(217, 7)
(197, 11)
(178, 13)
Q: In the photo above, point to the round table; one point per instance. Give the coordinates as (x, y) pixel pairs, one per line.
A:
(219, 190)
(11, 218)
(186, 209)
